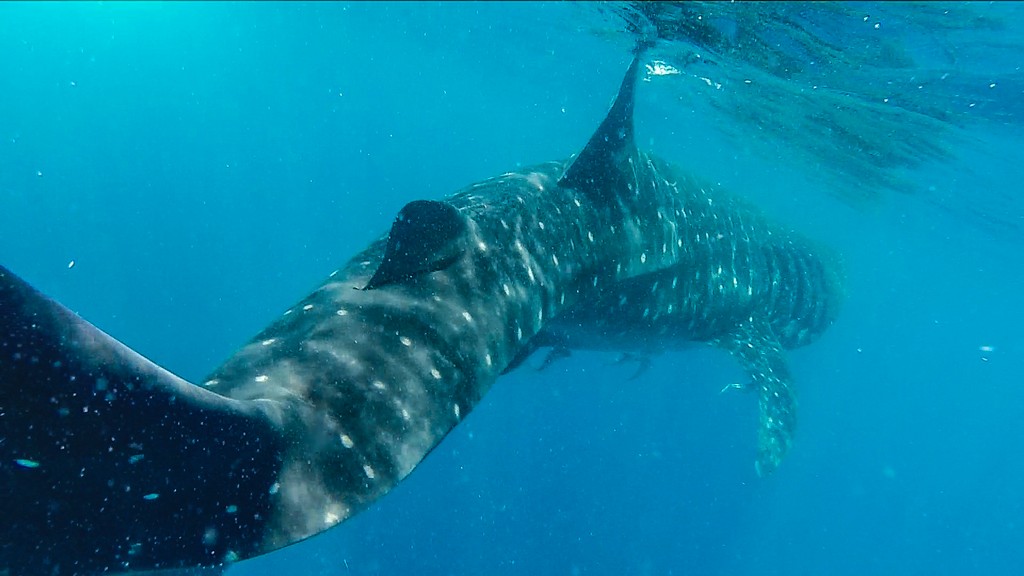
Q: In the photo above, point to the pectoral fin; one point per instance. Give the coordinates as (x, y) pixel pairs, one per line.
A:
(643, 363)
(554, 355)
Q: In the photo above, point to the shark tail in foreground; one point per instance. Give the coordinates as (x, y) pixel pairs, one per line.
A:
(112, 437)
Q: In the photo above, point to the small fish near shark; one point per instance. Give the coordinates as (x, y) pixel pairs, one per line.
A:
(109, 463)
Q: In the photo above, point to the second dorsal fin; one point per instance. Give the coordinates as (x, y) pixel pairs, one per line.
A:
(427, 236)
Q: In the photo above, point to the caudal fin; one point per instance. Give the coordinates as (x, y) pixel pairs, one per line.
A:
(108, 461)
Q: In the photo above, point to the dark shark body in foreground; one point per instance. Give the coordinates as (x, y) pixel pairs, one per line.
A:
(110, 463)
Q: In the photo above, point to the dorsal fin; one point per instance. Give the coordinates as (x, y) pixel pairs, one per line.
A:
(426, 237)
(601, 167)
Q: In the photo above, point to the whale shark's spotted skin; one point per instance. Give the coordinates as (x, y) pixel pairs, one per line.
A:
(108, 462)
(739, 282)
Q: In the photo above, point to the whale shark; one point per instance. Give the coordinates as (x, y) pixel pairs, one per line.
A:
(110, 463)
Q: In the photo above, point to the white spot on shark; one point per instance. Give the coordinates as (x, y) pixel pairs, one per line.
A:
(331, 517)
(262, 378)
(346, 441)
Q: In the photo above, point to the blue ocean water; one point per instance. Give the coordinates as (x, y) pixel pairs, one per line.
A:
(179, 174)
